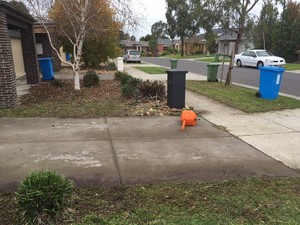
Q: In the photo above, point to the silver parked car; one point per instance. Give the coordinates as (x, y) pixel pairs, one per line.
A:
(132, 56)
(258, 57)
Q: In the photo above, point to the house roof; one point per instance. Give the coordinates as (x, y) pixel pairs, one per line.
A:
(14, 12)
(218, 31)
(228, 35)
(129, 43)
(177, 41)
(195, 38)
(161, 41)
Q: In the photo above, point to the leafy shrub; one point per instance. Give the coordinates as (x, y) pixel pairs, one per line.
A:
(125, 79)
(134, 82)
(120, 75)
(129, 88)
(90, 79)
(128, 91)
(152, 88)
(112, 65)
(57, 83)
(164, 53)
(43, 197)
(129, 84)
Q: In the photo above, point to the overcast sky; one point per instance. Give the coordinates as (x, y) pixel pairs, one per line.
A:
(154, 10)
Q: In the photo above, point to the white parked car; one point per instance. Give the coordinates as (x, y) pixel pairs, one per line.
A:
(132, 56)
(258, 58)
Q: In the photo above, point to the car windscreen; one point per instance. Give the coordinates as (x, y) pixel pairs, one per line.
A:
(134, 53)
(264, 53)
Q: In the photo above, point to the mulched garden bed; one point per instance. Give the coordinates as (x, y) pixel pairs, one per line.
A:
(59, 99)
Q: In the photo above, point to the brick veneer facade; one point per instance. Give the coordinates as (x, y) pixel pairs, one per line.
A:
(29, 54)
(13, 19)
(8, 91)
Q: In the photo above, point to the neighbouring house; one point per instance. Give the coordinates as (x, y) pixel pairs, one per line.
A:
(142, 46)
(17, 52)
(198, 44)
(43, 47)
(226, 41)
(195, 44)
(164, 44)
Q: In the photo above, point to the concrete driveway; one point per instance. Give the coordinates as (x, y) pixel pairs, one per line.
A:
(127, 150)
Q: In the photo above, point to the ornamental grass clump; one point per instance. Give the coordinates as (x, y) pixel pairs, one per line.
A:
(43, 198)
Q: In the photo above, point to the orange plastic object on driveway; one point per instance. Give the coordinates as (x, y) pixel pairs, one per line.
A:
(188, 118)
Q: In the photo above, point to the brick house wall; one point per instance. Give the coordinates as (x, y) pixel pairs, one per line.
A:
(13, 19)
(160, 48)
(8, 90)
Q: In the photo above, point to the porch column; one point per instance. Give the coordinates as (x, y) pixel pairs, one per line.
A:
(8, 90)
(29, 54)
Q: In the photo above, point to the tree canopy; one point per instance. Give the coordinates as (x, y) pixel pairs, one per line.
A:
(159, 29)
(181, 20)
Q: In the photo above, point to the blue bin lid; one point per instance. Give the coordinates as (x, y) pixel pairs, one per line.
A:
(41, 59)
(272, 68)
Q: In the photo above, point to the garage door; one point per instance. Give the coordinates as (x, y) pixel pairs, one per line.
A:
(18, 56)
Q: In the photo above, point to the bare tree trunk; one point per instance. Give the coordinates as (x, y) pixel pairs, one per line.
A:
(235, 50)
(76, 80)
(182, 46)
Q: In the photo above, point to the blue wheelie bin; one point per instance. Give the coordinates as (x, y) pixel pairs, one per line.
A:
(270, 81)
(46, 68)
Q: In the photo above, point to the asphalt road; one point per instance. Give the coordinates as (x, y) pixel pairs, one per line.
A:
(245, 75)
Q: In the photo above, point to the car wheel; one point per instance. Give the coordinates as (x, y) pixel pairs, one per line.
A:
(260, 63)
(139, 61)
(239, 63)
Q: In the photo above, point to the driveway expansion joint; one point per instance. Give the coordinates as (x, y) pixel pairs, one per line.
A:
(113, 151)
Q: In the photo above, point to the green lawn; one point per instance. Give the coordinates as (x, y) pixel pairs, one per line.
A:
(152, 70)
(292, 66)
(247, 201)
(240, 97)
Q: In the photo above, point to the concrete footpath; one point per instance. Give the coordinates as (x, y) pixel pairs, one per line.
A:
(277, 133)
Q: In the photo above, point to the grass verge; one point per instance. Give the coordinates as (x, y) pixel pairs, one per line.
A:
(240, 97)
(248, 201)
(152, 70)
(292, 66)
